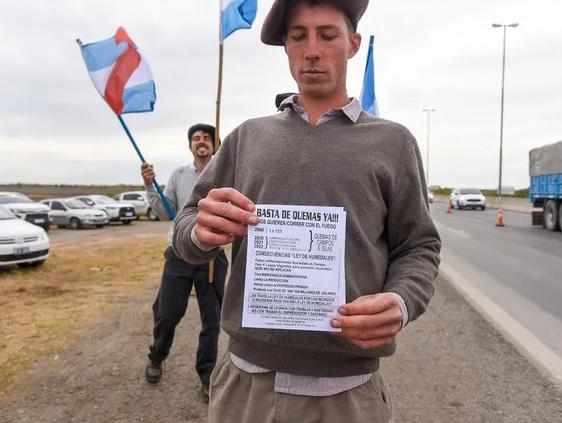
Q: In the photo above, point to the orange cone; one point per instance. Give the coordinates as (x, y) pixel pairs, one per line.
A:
(449, 208)
(499, 222)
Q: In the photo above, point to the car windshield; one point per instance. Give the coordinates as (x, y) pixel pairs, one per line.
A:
(6, 214)
(102, 199)
(75, 204)
(16, 198)
(471, 191)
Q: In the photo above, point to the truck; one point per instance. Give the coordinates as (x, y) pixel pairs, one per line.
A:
(545, 191)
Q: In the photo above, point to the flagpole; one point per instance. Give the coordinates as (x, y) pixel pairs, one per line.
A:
(219, 85)
(167, 204)
(218, 117)
(219, 95)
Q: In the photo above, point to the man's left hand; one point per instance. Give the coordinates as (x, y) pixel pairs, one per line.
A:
(370, 321)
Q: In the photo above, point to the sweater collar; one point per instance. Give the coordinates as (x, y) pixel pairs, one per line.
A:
(352, 109)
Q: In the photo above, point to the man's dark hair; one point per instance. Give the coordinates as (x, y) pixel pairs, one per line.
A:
(207, 129)
(312, 3)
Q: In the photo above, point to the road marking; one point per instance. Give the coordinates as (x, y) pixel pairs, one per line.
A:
(523, 340)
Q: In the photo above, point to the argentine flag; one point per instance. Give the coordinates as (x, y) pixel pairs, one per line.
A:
(368, 97)
(237, 14)
(120, 73)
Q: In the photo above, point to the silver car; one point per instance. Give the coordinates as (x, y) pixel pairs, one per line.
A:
(26, 209)
(140, 201)
(75, 214)
(116, 210)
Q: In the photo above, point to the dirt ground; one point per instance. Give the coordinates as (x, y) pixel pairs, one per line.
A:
(451, 366)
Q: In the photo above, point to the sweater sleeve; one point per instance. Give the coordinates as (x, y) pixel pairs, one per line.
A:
(219, 173)
(156, 203)
(413, 241)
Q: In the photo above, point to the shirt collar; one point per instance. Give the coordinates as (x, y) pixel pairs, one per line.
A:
(352, 109)
(193, 168)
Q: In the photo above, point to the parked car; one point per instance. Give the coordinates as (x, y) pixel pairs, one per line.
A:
(430, 196)
(74, 213)
(26, 209)
(140, 201)
(468, 198)
(116, 210)
(21, 242)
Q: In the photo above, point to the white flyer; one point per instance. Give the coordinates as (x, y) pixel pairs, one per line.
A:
(295, 268)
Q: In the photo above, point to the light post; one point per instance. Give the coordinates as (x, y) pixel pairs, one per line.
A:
(428, 111)
(496, 25)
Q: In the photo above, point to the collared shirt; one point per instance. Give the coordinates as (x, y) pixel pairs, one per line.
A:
(178, 189)
(312, 385)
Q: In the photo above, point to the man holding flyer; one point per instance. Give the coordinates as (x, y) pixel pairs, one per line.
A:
(327, 212)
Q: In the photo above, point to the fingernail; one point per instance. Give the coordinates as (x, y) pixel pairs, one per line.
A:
(254, 220)
(342, 310)
(251, 207)
(336, 323)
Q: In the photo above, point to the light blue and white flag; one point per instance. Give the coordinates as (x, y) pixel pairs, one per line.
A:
(368, 97)
(237, 14)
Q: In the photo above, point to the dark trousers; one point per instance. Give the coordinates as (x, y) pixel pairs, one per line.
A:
(171, 304)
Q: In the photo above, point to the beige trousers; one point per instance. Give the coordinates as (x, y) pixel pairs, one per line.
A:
(241, 397)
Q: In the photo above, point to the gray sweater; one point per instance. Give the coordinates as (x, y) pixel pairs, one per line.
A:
(372, 169)
(178, 189)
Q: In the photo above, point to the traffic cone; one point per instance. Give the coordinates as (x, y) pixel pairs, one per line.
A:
(499, 222)
(450, 208)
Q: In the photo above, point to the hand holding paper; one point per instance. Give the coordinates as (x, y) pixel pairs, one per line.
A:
(370, 321)
(224, 213)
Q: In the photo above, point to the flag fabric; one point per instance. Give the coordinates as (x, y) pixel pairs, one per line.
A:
(368, 97)
(120, 73)
(237, 14)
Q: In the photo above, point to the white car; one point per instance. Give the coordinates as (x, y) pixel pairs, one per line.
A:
(74, 214)
(116, 210)
(21, 242)
(25, 208)
(140, 201)
(430, 196)
(468, 198)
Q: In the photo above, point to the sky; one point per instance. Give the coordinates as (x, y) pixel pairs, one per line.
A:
(436, 54)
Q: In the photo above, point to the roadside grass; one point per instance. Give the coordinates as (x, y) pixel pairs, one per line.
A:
(43, 309)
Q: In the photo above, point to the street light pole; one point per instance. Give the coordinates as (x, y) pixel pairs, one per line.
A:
(495, 25)
(428, 111)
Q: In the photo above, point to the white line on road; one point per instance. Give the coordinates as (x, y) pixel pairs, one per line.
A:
(525, 342)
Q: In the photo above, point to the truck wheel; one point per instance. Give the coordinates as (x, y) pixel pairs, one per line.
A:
(560, 215)
(74, 223)
(551, 215)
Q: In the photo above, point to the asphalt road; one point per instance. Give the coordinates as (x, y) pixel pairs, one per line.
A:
(518, 267)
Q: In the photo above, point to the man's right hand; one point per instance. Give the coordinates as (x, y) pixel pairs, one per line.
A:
(223, 214)
(147, 172)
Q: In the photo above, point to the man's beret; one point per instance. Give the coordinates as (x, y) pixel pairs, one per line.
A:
(274, 26)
